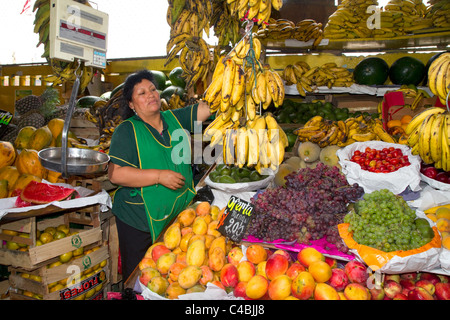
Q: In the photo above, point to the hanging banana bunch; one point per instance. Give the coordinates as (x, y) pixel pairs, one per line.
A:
(258, 11)
(188, 19)
(62, 71)
(226, 26)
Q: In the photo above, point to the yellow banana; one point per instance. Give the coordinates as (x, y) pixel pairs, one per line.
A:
(228, 80)
(242, 146)
(238, 85)
(435, 139)
(253, 147)
(424, 139)
(420, 117)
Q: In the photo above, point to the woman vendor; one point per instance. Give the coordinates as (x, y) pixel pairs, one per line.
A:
(151, 164)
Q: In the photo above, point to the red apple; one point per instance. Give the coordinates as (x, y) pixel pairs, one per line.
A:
(442, 290)
(419, 293)
(400, 296)
(430, 172)
(427, 285)
(356, 272)
(409, 276)
(407, 284)
(433, 278)
(442, 177)
(393, 277)
(377, 293)
(339, 279)
(391, 288)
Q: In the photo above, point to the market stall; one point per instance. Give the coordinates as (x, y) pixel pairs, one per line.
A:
(319, 175)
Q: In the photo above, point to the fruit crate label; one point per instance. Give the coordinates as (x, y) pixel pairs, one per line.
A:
(5, 119)
(235, 219)
(83, 287)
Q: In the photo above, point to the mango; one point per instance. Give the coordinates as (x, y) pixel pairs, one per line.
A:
(158, 284)
(218, 242)
(147, 274)
(174, 290)
(196, 288)
(280, 287)
(165, 261)
(174, 270)
(207, 275)
(186, 217)
(189, 276)
(200, 226)
(195, 254)
(172, 236)
(443, 225)
(217, 259)
(184, 241)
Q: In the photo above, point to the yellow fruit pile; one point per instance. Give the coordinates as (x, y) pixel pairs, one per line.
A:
(441, 216)
(191, 254)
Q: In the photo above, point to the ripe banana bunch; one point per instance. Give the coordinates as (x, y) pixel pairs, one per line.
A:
(412, 16)
(175, 102)
(257, 10)
(282, 29)
(439, 13)
(226, 26)
(439, 77)
(187, 20)
(429, 137)
(349, 21)
(62, 71)
(307, 79)
(343, 132)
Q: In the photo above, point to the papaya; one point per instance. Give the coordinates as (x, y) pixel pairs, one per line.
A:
(71, 138)
(40, 139)
(172, 236)
(22, 182)
(23, 137)
(54, 177)
(28, 162)
(9, 173)
(196, 252)
(189, 276)
(186, 217)
(7, 153)
(4, 189)
(56, 126)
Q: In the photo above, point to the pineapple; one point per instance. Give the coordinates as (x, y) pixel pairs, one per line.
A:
(28, 103)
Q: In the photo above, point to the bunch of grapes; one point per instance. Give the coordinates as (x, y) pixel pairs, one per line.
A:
(309, 207)
(384, 221)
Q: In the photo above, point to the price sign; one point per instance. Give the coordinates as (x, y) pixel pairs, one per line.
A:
(235, 219)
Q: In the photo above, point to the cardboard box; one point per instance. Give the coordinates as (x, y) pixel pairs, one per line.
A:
(355, 103)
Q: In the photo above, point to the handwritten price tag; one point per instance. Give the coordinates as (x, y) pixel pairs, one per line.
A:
(235, 219)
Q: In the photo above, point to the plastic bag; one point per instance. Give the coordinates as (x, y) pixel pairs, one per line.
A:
(425, 258)
(396, 181)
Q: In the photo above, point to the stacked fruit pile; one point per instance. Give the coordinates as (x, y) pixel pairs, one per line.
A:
(441, 216)
(342, 133)
(307, 78)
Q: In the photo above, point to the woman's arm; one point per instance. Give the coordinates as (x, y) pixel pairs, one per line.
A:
(134, 177)
(203, 111)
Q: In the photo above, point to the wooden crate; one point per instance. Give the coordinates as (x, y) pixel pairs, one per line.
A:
(84, 129)
(92, 228)
(68, 281)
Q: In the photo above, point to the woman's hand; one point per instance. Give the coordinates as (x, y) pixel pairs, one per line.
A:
(171, 179)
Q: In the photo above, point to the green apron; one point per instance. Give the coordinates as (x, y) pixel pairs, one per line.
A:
(161, 203)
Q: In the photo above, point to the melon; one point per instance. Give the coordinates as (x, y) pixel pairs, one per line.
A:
(40, 193)
(159, 79)
(371, 71)
(407, 70)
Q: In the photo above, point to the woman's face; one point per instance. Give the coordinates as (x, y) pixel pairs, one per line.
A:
(145, 98)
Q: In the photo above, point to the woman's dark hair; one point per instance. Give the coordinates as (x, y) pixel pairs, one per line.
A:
(134, 79)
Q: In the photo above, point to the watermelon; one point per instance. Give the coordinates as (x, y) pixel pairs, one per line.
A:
(407, 70)
(41, 193)
(160, 79)
(167, 92)
(176, 77)
(87, 101)
(371, 71)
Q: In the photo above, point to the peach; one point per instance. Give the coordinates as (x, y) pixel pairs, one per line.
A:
(280, 287)
(229, 276)
(256, 253)
(246, 270)
(147, 262)
(357, 272)
(257, 287)
(308, 255)
(442, 290)
(303, 286)
(294, 269)
(261, 268)
(427, 285)
(235, 255)
(175, 270)
(147, 274)
(391, 288)
(419, 293)
(276, 265)
(356, 291)
(158, 251)
(339, 279)
(207, 275)
(324, 291)
(239, 290)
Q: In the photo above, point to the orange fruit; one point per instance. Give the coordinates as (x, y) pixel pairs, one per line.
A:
(203, 208)
(308, 255)
(406, 119)
(46, 237)
(256, 253)
(320, 270)
(394, 123)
